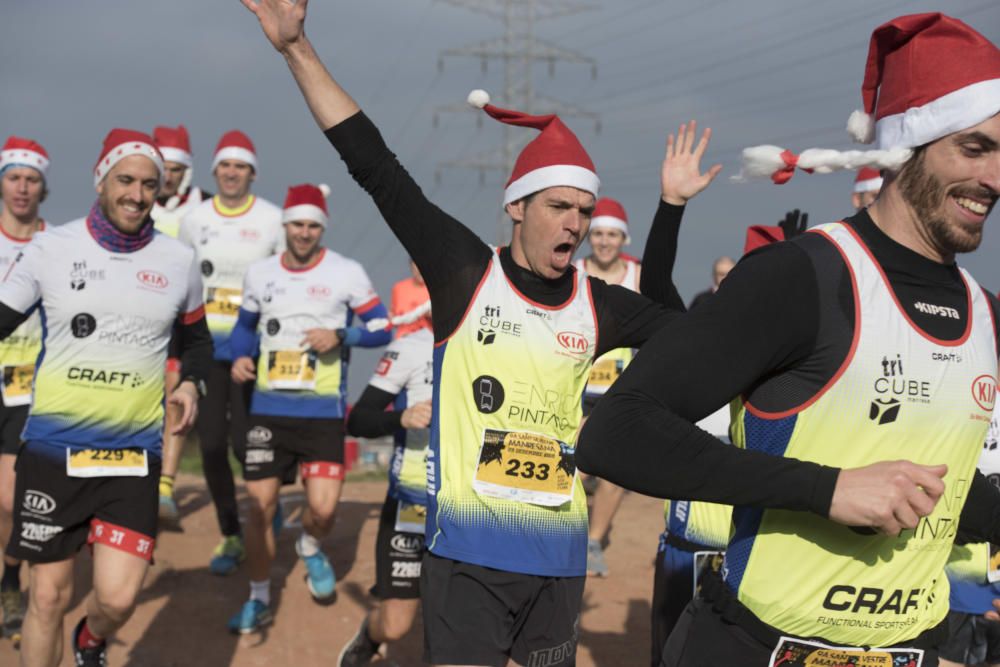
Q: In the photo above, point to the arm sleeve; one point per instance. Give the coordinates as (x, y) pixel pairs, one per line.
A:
(361, 336)
(20, 289)
(243, 338)
(450, 256)
(196, 348)
(10, 320)
(656, 279)
(641, 434)
(369, 418)
(980, 518)
(625, 318)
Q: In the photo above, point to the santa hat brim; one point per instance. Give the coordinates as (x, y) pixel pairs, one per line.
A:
(868, 185)
(610, 222)
(234, 153)
(954, 112)
(550, 177)
(304, 212)
(22, 158)
(178, 155)
(124, 150)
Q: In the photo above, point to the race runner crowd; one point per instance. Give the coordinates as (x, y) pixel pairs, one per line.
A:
(831, 495)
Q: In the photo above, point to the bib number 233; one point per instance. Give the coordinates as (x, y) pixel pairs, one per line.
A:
(526, 467)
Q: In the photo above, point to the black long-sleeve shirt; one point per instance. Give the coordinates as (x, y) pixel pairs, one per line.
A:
(776, 332)
(452, 259)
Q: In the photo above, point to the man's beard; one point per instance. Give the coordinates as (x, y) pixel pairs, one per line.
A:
(925, 194)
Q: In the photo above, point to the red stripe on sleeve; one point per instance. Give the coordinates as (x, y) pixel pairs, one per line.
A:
(365, 307)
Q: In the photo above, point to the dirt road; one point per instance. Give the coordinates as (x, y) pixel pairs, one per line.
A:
(182, 612)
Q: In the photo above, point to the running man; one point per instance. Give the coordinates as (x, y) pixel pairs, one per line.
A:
(177, 198)
(301, 303)
(403, 378)
(409, 294)
(109, 289)
(608, 236)
(866, 361)
(516, 330)
(23, 164)
(228, 232)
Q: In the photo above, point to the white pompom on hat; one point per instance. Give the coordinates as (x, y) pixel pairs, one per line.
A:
(554, 158)
(927, 76)
(306, 202)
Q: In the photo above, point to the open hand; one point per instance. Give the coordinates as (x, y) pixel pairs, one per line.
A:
(681, 177)
(283, 21)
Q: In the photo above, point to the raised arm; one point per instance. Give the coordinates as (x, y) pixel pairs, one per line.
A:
(681, 179)
(450, 256)
(283, 23)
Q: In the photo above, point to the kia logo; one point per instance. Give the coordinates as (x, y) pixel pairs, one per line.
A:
(153, 279)
(37, 502)
(573, 341)
(984, 392)
(407, 544)
(318, 291)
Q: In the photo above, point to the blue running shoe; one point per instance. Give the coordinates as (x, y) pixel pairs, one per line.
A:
(227, 556)
(319, 575)
(251, 617)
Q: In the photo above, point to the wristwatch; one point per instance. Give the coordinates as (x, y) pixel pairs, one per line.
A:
(199, 385)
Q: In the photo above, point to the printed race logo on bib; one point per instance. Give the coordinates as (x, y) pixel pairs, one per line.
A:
(803, 653)
(16, 387)
(526, 467)
(291, 369)
(223, 303)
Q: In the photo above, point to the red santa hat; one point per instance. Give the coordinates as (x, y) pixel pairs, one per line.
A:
(121, 143)
(553, 158)
(306, 202)
(18, 152)
(234, 145)
(610, 214)
(174, 144)
(759, 236)
(868, 180)
(927, 76)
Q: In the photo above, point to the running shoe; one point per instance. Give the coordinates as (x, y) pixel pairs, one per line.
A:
(358, 651)
(251, 617)
(88, 657)
(596, 567)
(319, 575)
(169, 515)
(13, 605)
(227, 556)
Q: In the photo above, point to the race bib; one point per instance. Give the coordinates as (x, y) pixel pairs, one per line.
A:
(291, 369)
(803, 653)
(605, 372)
(410, 518)
(706, 562)
(526, 467)
(223, 303)
(16, 388)
(107, 463)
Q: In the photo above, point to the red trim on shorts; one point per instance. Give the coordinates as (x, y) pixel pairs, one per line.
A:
(192, 317)
(121, 538)
(173, 365)
(322, 470)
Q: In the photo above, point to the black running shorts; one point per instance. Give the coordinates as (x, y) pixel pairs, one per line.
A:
(399, 553)
(276, 445)
(475, 615)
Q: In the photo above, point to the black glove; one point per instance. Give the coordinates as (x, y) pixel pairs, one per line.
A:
(794, 223)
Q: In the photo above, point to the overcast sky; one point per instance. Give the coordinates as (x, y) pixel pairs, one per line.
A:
(764, 71)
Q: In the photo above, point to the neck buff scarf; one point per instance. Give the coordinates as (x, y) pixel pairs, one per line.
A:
(111, 238)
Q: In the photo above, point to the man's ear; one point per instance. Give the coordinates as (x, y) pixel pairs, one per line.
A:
(516, 211)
